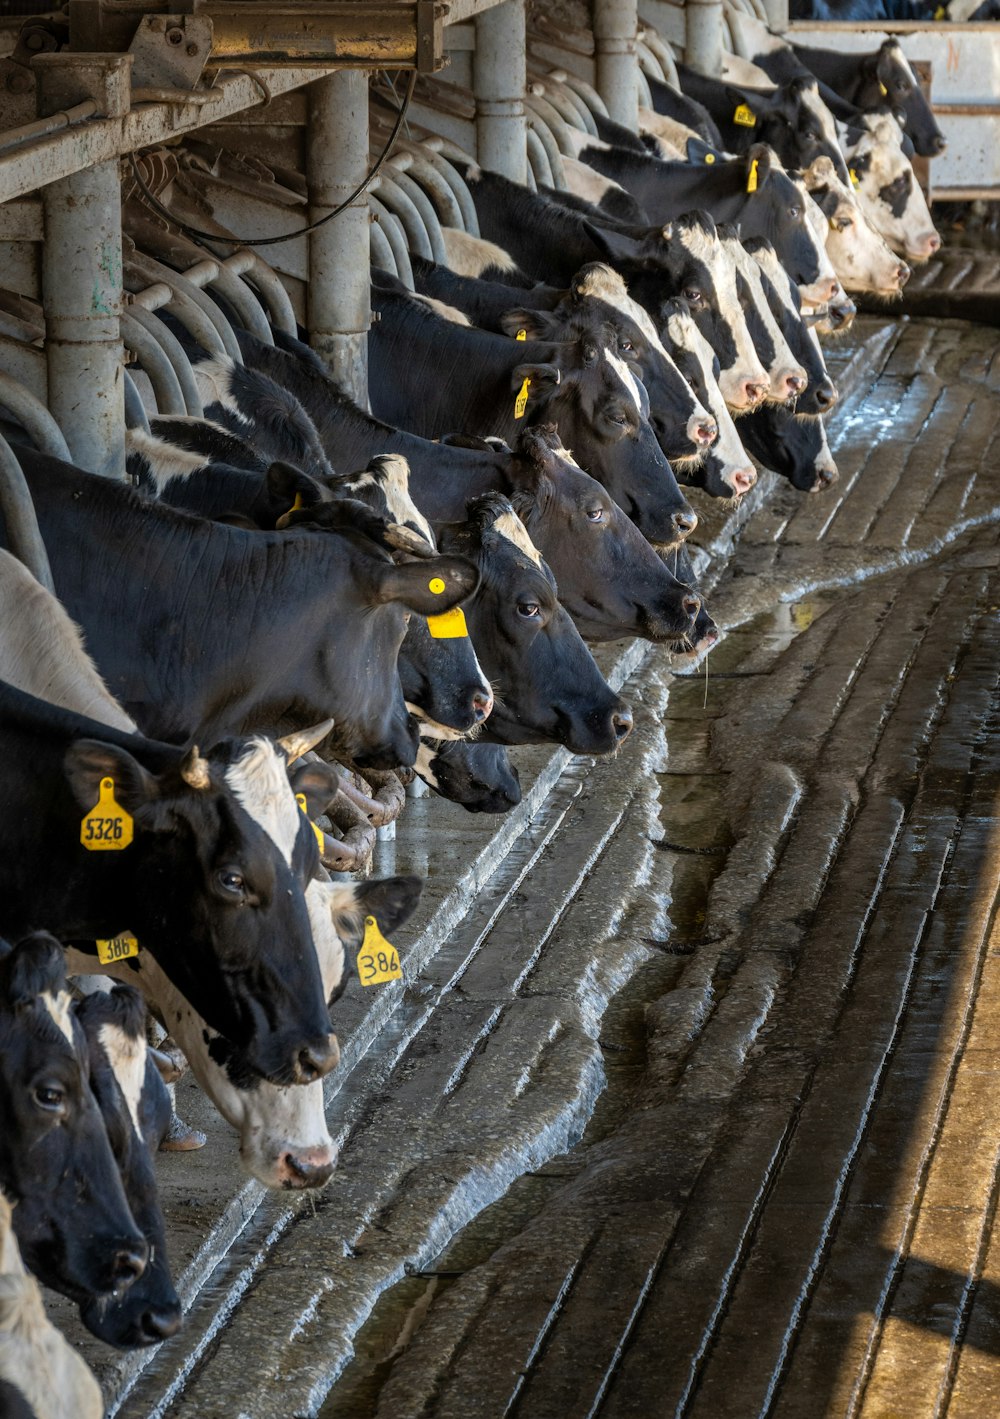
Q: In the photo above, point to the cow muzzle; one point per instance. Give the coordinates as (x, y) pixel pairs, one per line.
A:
(302, 1168)
(315, 1060)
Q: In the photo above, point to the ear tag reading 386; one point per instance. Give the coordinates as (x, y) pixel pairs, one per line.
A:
(752, 177)
(521, 402)
(107, 827)
(449, 625)
(521, 335)
(378, 959)
(119, 948)
(300, 799)
(745, 117)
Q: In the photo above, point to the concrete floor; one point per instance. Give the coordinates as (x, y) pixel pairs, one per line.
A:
(689, 1104)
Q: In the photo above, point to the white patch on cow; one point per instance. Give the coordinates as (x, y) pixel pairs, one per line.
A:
(671, 137)
(214, 379)
(784, 363)
(164, 460)
(426, 753)
(627, 378)
(746, 368)
(470, 256)
(816, 223)
(728, 447)
(127, 1057)
(259, 781)
(510, 526)
(42, 650)
(745, 74)
(431, 726)
(58, 1007)
(811, 100)
(912, 233)
(861, 258)
(579, 139)
(450, 313)
(393, 477)
(586, 182)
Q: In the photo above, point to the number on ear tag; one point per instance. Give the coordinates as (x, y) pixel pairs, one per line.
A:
(119, 948)
(521, 402)
(107, 827)
(855, 180)
(449, 625)
(300, 799)
(378, 960)
(745, 117)
(521, 335)
(752, 177)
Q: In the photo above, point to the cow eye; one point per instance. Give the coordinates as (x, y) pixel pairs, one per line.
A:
(902, 87)
(625, 345)
(595, 514)
(693, 295)
(794, 213)
(49, 1097)
(527, 610)
(230, 881)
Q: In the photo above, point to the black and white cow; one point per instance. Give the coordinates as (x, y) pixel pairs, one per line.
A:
(786, 305)
(888, 192)
(861, 257)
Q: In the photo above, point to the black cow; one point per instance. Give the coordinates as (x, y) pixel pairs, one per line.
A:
(201, 628)
(478, 776)
(203, 886)
(431, 376)
(682, 109)
(135, 1106)
(72, 1222)
(550, 690)
(792, 445)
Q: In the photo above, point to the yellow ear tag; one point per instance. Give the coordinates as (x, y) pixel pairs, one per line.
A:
(940, 13)
(745, 117)
(449, 625)
(882, 88)
(521, 402)
(107, 827)
(752, 177)
(297, 504)
(521, 335)
(855, 180)
(300, 799)
(710, 157)
(378, 960)
(119, 948)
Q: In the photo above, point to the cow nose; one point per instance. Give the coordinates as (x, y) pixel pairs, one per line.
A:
(622, 721)
(754, 393)
(301, 1171)
(702, 431)
(824, 477)
(128, 1264)
(160, 1325)
(903, 271)
(743, 479)
(317, 1059)
(938, 145)
(795, 385)
(933, 243)
(691, 605)
(685, 521)
(482, 704)
(826, 395)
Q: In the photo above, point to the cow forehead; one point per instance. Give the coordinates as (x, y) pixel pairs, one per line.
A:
(127, 1057)
(58, 1007)
(697, 242)
(811, 101)
(258, 780)
(513, 530)
(627, 378)
(393, 478)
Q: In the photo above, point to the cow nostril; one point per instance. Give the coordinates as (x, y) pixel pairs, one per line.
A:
(933, 243)
(826, 395)
(939, 145)
(691, 605)
(903, 272)
(128, 1264)
(482, 704)
(685, 521)
(743, 479)
(796, 384)
(299, 1173)
(160, 1325)
(316, 1060)
(824, 477)
(705, 432)
(622, 721)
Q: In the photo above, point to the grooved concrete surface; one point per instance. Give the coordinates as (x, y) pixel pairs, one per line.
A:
(691, 1105)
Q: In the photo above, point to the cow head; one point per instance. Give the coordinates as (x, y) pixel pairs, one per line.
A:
(136, 1110)
(478, 776)
(794, 121)
(861, 258)
(786, 305)
(888, 192)
(890, 82)
(786, 377)
(549, 689)
(71, 1220)
(795, 447)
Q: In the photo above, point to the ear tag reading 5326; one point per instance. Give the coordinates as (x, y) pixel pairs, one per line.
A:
(378, 960)
(521, 335)
(745, 117)
(752, 177)
(521, 402)
(300, 799)
(449, 625)
(107, 827)
(119, 948)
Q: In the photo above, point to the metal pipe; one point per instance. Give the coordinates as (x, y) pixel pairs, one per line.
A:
(190, 315)
(615, 25)
(271, 292)
(458, 185)
(449, 212)
(649, 63)
(539, 169)
(135, 410)
(428, 214)
(664, 54)
(538, 125)
(338, 293)
(381, 251)
(175, 353)
(155, 365)
(589, 95)
(42, 127)
(81, 286)
(34, 417)
(392, 196)
(544, 102)
(643, 94)
(568, 101)
(181, 286)
(394, 235)
(19, 515)
(498, 80)
(243, 301)
(703, 36)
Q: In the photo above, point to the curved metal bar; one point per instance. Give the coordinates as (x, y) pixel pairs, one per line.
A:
(244, 302)
(565, 107)
(446, 204)
(396, 238)
(642, 89)
(190, 315)
(538, 125)
(175, 353)
(393, 197)
(19, 514)
(538, 163)
(35, 418)
(424, 205)
(135, 410)
(664, 54)
(560, 130)
(271, 291)
(157, 368)
(589, 94)
(584, 117)
(381, 251)
(458, 185)
(156, 271)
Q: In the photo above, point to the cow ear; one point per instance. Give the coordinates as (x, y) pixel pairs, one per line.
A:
(535, 324)
(88, 761)
(36, 964)
(391, 902)
(698, 151)
(318, 781)
(286, 483)
(428, 587)
(541, 376)
(614, 246)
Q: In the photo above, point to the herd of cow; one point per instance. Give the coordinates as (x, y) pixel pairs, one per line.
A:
(411, 588)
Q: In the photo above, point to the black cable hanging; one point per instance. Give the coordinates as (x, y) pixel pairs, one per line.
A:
(199, 236)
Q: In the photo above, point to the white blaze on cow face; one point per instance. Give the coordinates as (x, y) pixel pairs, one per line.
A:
(470, 256)
(509, 525)
(737, 466)
(888, 192)
(861, 258)
(164, 461)
(58, 1008)
(127, 1058)
(259, 782)
(787, 378)
(629, 380)
(744, 381)
(392, 476)
(810, 99)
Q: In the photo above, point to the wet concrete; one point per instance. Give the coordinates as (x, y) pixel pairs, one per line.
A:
(688, 1103)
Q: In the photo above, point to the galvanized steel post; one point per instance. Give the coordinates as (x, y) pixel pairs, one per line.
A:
(339, 300)
(82, 271)
(499, 77)
(703, 36)
(615, 25)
